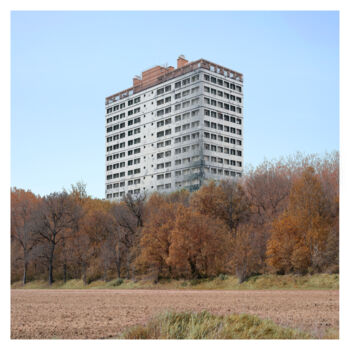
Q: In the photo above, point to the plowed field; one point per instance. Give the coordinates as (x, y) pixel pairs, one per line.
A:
(72, 314)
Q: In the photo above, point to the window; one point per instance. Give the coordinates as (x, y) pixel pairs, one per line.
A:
(177, 95)
(167, 88)
(177, 84)
(160, 91)
(195, 113)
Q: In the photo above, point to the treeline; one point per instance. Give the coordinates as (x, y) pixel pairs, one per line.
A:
(281, 217)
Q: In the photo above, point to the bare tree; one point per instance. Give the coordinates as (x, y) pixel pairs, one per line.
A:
(55, 219)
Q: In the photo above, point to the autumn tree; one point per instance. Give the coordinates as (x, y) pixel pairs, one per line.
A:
(225, 201)
(155, 238)
(198, 245)
(299, 236)
(246, 258)
(23, 205)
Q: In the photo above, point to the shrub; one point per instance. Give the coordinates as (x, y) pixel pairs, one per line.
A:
(222, 277)
(194, 282)
(117, 282)
(187, 325)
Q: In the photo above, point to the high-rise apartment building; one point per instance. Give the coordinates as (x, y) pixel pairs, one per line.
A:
(174, 129)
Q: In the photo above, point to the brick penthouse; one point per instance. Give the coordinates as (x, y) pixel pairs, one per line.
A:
(174, 129)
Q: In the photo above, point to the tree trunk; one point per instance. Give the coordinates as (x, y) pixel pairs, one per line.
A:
(105, 274)
(84, 273)
(117, 262)
(51, 264)
(50, 272)
(64, 273)
(25, 272)
(118, 268)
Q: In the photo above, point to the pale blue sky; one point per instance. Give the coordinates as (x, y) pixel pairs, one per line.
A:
(63, 65)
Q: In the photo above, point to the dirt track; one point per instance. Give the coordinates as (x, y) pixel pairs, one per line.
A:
(71, 314)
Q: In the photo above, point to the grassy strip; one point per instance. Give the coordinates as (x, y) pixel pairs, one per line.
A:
(187, 325)
(317, 281)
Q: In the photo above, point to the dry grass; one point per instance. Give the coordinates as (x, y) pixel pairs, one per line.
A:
(308, 282)
(97, 313)
(203, 325)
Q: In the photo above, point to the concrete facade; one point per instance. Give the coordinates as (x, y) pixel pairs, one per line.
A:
(174, 129)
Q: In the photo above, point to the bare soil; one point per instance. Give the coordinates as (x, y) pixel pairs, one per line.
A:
(79, 314)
